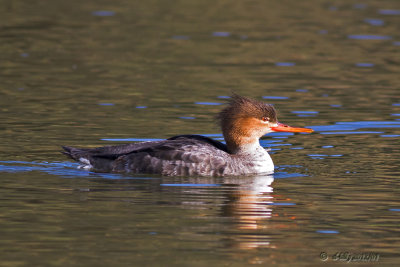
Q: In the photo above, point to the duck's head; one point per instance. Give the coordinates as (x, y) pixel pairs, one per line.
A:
(245, 120)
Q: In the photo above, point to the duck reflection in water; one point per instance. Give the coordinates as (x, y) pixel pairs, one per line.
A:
(250, 207)
(248, 203)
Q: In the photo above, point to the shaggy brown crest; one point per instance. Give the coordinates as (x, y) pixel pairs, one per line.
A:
(243, 107)
(244, 121)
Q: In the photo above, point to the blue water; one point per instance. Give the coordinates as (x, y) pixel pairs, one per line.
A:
(106, 104)
(365, 65)
(352, 127)
(187, 118)
(103, 13)
(276, 97)
(221, 34)
(63, 169)
(374, 22)
(369, 37)
(285, 64)
(208, 103)
(305, 112)
(327, 231)
(389, 12)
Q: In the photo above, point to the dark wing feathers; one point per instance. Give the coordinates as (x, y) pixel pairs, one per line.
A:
(173, 156)
(107, 151)
(201, 138)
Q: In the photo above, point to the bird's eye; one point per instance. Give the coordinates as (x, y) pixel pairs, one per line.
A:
(265, 119)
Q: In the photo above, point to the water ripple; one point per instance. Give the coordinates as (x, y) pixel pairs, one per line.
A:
(208, 103)
(369, 37)
(103, 13)
(63, 169)
(350, 127)
(285, 64)
(327, 231)
(374, 22)
(276, 97)
(389, 12)
(106, 104)
(349, 132)
(365, 64)
(221, 34)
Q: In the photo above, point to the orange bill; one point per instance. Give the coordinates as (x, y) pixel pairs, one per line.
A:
(285, 128)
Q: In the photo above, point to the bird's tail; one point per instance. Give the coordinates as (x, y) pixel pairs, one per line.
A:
(79, 155)
(89, 158)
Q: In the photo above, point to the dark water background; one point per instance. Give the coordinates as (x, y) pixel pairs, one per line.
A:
(90, 73)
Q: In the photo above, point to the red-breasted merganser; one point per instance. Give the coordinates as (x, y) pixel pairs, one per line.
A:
(243, 122)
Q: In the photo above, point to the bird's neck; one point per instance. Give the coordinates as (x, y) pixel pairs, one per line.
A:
(238, 142)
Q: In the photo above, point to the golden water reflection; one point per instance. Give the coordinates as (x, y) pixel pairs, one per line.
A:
(251, 208)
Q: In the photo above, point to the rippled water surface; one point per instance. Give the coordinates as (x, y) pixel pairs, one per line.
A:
(91, 73)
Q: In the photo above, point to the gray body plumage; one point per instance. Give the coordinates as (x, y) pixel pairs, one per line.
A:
(184, 155)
